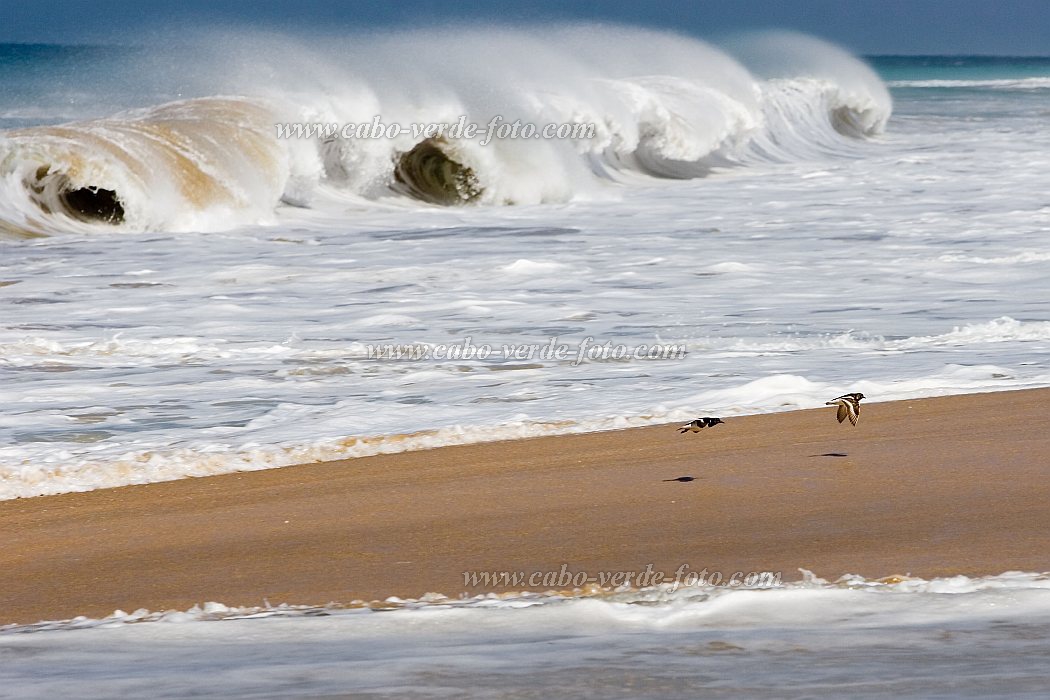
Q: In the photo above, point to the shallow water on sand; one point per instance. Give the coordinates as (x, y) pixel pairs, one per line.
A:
(955, 637)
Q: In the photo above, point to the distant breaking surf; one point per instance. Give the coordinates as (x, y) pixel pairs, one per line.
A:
(663, 105)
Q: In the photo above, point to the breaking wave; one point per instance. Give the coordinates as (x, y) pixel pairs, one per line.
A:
(199, 164)
(661, 104)
(431, 171)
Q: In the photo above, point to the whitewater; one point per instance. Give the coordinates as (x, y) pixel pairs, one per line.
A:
(186, 294)
(954, 637)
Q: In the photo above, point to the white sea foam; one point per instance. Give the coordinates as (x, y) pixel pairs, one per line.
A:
(1028, 256)
(1032, 83)
(1000, 330)
(900, 636)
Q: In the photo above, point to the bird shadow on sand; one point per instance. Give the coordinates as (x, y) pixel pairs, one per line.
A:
(831, 454)
(683, 479)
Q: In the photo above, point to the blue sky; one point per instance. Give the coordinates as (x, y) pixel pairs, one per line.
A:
(1013, 27)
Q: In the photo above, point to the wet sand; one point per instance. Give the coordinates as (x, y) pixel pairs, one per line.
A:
(957, 485)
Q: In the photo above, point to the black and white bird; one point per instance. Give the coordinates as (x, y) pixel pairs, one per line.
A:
(849, 407)
(699, 424)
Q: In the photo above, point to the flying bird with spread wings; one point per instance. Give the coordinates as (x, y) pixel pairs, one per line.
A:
(849, 407)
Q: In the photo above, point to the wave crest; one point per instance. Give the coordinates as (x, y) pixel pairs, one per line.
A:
(661, 105)
(196, 164)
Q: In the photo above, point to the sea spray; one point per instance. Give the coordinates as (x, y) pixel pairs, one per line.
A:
(654, 103)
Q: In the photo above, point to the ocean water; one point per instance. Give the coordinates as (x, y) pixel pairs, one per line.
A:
(946, 638)
(184, 293)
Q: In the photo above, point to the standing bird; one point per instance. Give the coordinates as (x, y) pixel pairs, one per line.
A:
(849, 407)
(699, 424)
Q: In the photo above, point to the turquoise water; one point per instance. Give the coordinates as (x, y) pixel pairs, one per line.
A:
(893, 68)
(965, 87)
(50, 83)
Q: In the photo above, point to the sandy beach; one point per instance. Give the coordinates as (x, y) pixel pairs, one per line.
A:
(956, 485)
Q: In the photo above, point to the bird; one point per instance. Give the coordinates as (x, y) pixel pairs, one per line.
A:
(849, 406)
(699, 424)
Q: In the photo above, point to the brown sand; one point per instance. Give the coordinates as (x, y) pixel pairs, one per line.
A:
(956, 485)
